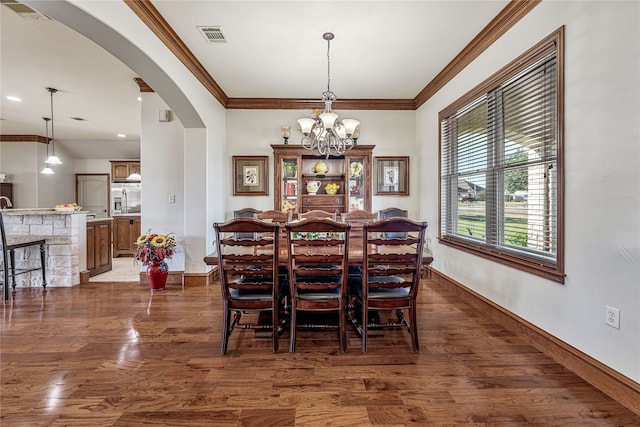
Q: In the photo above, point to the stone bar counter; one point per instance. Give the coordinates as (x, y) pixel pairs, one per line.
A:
(65, 234)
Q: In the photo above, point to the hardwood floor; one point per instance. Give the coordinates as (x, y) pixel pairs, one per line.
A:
(113, 354)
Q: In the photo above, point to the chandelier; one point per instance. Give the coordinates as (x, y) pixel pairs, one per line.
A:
(326, 133)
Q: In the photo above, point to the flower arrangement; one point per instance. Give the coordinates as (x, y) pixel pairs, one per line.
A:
(151, 247)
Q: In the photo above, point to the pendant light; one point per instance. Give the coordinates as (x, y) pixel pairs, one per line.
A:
(47, 170)
(53, 159)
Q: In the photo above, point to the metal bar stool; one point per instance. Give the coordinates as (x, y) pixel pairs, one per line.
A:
(9, 246)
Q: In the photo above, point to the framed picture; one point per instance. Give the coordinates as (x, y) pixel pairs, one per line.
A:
(250, 175)
(392, 176)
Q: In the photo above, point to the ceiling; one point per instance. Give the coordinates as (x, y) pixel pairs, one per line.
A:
(273, 49)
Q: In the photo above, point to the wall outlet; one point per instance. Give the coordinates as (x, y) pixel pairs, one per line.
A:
(612, 317)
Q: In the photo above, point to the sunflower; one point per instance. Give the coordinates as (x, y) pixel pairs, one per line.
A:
(142, 239)
(159, 241)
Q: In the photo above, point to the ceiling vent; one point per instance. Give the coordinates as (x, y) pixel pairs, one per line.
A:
(23, 10)
(213, 34)
(79, 119)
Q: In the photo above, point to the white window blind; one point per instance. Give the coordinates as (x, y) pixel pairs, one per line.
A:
(500, 164)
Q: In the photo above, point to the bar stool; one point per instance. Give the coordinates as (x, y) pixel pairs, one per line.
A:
(9, 246)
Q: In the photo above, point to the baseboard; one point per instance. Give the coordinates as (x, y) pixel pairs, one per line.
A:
(617, 386)
(174, 278)
(195, 279)
(84, 277)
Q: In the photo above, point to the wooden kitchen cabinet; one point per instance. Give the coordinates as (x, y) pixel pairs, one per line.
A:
(6, 190)
(126, 230)
(294, 168)
(120, 170)
(99, 259)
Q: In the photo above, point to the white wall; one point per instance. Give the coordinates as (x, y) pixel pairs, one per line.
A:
(251, 133)
(23, 161)
(602, 189)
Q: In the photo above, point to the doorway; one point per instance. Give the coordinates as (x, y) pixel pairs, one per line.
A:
(92, 193)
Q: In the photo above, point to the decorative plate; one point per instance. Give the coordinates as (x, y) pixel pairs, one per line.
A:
(356, 169)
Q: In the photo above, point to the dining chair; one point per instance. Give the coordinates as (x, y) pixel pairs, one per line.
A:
(274, 216)
(9, 246)
(245, 213)
(318, 252)
(357, 219)
(248, 275)
(393, 213)
(390, 275)
(317, 213)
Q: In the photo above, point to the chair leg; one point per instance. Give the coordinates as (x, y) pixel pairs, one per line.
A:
(43, 260)
(343, 328)
(274, 327)
(226, 317)
(365, 324)
(12, 268)
(414, 327)
(294, 324)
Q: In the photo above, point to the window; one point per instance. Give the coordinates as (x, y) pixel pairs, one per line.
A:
(501, 165)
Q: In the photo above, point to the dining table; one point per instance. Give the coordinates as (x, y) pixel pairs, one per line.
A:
(355, 249)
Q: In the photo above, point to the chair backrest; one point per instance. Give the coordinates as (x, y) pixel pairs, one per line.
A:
(251, 263)
(393, 262)
(318, 256)
(393, 213)
(274, 216)
(317, 213)
(357, 219)
(245, 213)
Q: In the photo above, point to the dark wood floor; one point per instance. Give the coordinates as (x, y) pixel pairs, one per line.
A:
(112, 354)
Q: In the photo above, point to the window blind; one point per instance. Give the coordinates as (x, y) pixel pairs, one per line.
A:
(499, 167)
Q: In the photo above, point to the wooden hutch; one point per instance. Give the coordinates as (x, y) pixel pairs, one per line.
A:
(294, 167)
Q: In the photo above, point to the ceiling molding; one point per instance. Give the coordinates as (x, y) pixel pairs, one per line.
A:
(24, 138)
(507, 18)
(144, 87)
(309, 104)
(161, 28)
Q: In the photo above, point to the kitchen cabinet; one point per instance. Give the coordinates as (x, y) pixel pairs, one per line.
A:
(6, 190)
(295, 167)
(126, 230)
(120, 170)
(99, 259)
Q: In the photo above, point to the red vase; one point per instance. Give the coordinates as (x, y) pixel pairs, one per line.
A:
(157, 273)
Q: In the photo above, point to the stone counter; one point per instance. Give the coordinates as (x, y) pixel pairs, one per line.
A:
(65, 234)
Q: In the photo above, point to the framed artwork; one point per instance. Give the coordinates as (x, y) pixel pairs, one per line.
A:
(392, 176)
(250, 175)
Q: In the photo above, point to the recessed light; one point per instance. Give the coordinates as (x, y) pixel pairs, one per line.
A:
(122, 135)
(14, 98)
(139, 98)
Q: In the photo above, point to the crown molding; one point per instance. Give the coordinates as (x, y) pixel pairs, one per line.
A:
(507, 18)
(144, 87)
(24, 138)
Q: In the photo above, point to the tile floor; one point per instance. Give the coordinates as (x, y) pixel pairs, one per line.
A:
(123, 270)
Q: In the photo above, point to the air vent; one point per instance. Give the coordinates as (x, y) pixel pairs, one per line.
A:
(213, 34)
(23, 10)
(79, 119)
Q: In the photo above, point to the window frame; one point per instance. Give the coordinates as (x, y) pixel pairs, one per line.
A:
(549, 269)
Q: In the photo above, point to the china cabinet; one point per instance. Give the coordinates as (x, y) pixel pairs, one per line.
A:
(305, 182)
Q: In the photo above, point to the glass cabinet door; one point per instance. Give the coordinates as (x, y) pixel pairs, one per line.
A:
(289, 185)
(357, 184)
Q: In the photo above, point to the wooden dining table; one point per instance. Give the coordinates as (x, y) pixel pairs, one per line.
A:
(355, 250)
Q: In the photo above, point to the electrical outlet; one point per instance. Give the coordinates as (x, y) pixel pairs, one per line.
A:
(172, 198)
(612, 317)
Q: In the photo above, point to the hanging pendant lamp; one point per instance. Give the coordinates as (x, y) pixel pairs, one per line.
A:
(47, 170)
(53, 159)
